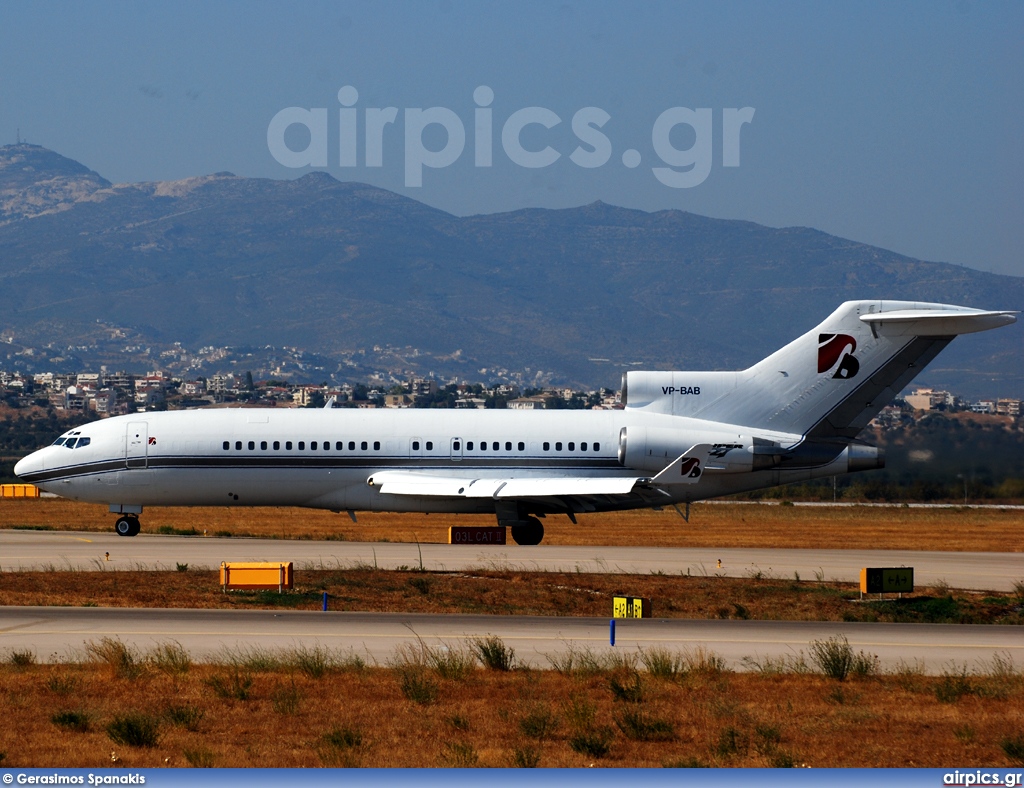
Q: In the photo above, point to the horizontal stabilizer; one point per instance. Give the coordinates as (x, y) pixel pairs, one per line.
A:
(936, 322)
(687, 468)
(422, 484)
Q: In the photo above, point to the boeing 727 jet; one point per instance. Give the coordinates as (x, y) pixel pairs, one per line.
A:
(681, 437)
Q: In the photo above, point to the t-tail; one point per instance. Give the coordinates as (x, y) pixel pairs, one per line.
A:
(824, 386)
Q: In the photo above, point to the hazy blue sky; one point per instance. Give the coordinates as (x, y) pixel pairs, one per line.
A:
(897, 124)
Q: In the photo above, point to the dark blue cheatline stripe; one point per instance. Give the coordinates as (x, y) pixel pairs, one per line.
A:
(235, 461)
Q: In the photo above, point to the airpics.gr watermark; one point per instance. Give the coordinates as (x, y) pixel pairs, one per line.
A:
(683, 169)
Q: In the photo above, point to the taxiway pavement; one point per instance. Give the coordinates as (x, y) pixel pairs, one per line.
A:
(35, 550)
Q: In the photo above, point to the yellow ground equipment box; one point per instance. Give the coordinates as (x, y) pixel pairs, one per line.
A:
(476, 534)
(631, 607)
(898, 580)
(19, 491)
(256, 576)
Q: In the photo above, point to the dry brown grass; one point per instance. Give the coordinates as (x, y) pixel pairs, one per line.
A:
(508, 593)
(362, 718)
(711, 525)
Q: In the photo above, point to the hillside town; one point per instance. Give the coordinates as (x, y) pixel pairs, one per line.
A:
(105, 393)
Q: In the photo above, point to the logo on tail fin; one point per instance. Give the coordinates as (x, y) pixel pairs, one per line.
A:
(832, 350)
(690, 467)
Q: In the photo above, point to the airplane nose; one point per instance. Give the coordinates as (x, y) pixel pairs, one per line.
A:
(28, 464)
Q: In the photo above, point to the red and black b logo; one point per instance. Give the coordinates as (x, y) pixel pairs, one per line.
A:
(838, 349)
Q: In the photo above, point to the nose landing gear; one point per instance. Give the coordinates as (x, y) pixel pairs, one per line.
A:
(127, 526)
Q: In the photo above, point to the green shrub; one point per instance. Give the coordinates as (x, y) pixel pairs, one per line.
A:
(494, 654)
(527, 757)
(833, 656)
(459, 755)
(731, 742)
(63, 683)
(71, 720)
(417, 686)
(200, 758)
(339, 747)
(135, 730)
(313, 662)
(953, 684)
(21, 659)
(628, 691)
(185, 716)
(285, 698)
(664, 664)
(635, 724)
(539, 723)
(236, 684)
(595, 743)
(171, 658)
(122, 659)
(1014, 749)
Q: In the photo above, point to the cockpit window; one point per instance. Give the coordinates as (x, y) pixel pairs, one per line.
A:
(59, 441)
(83, 442)
(70, 443)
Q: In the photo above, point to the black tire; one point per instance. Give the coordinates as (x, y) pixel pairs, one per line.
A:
(136, 526)
(531, 532)
(125, 526)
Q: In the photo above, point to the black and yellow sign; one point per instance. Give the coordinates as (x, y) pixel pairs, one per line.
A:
(631, 607)
(898, 580)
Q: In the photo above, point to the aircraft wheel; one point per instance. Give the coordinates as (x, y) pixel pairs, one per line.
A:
(127, 526)
(531, 532)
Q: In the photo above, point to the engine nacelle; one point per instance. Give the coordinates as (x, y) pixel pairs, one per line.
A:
(652, 448)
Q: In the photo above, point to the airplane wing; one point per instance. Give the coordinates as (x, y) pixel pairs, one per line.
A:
(421, 484)
(685, 469)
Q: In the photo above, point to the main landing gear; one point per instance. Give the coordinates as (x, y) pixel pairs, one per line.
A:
(527, 532)
(127, 525)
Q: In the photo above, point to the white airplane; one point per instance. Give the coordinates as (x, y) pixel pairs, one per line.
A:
(682, 437)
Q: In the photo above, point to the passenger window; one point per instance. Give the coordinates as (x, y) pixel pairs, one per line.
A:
(363, 446)
(227, 445)
(547, 446)
(495, 446)
(430, 445)
(376, 445)
(558, 445)
(288, 445)
(351, 445)
(339, 445)
(302, 445)
(277, 445)
(583, 446)
(522, 446)
(572, 446)
(456, 446)
(508, 445)
(327, 445)
(469, 445)
(263, 445)
(238, 445)
(597, 446)
(415, 445)
(252, 445)
(312, 446)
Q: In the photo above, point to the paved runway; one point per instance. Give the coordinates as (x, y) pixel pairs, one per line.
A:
(56, 633)
(86, 551)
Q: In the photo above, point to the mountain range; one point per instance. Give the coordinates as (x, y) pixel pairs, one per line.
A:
(325, 265)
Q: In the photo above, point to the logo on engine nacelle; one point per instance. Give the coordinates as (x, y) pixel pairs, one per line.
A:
(838, 349)
(690, 467)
